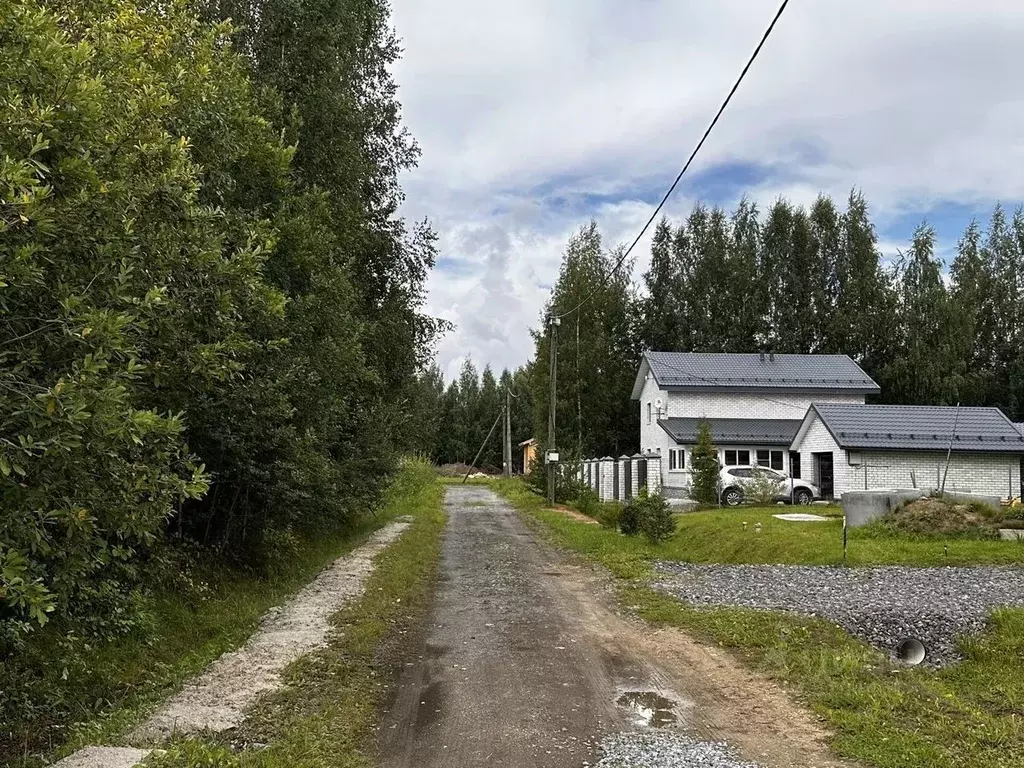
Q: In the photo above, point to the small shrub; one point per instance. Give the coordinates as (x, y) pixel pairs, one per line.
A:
(629, 518)
(761, 489)
(656, 519)
(588, 502)
(609, 516)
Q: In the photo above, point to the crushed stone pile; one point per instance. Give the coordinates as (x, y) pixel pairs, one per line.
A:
(643, 749)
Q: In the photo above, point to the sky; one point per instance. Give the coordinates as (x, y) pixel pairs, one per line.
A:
(537, 116)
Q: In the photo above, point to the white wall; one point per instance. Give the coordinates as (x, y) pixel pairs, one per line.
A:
(986, 473)
(819, 440)
(722, 405)
(739, 405)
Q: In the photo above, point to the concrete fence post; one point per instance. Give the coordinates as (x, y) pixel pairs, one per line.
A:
(635, 485)
(606, 488)
(654, 474)
(622, 465)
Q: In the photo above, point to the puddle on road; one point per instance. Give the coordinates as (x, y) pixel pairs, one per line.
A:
(649, 709)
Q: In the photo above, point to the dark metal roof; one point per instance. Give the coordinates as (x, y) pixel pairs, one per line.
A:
(920, 427)
(749, 371)
(734, 431)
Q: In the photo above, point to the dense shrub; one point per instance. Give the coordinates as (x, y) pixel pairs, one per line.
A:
(609, 515)
(656, 520)
(208, 309)
(588, 502)
(629, 517)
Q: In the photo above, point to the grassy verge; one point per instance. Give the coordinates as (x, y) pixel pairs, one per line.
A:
(126, 679)
(325, 713)
(965, 716)
(719, 536)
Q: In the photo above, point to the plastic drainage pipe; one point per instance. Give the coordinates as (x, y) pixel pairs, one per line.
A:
(911, 651)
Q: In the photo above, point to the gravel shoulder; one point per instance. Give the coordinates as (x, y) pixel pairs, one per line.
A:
(525, 658)
(218, 699)
(881, 605)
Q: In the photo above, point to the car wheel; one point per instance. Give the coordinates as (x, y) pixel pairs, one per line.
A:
(732, 497)
(802, 497)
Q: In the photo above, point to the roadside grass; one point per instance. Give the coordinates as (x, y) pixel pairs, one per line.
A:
(128, 678)
(719, 536)
(325, 713)
(965, 716)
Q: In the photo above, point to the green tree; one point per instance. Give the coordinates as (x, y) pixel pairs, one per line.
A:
(920, 372)
(704, 457)
(597, 353)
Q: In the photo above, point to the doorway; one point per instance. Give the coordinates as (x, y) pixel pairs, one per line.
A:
(824, 474)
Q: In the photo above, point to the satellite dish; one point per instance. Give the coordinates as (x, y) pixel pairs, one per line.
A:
(657, 403)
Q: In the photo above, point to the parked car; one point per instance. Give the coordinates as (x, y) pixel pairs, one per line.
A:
(734, 479)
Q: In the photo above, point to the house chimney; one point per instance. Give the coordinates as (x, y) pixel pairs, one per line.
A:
(771, 357)
(762, 357)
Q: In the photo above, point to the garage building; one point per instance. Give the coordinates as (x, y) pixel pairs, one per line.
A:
(847, 447)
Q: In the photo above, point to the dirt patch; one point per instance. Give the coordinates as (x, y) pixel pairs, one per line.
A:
(727, 701)
(943, 518)
(217, 699)
(574, 514)
(460, 470)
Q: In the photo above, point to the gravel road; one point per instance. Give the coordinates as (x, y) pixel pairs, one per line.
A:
(524, 663)
(880, 605)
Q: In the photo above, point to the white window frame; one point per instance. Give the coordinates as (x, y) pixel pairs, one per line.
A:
(676, 457)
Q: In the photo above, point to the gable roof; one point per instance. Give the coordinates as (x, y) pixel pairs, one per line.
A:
(714, 370)
(733, 431)
(918, 427)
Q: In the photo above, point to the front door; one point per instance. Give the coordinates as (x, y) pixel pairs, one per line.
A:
(824, 475)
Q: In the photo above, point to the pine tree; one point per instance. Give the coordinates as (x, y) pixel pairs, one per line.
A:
(704, 488)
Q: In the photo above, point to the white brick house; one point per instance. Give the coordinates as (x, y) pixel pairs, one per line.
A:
(805, 415)
(754, 403)
(905, 446)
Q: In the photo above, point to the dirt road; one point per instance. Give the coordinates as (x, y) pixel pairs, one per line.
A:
(526, 663)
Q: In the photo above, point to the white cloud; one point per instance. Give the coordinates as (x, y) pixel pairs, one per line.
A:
(517, 105)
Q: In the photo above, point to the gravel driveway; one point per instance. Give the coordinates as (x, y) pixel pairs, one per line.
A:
(881, 605)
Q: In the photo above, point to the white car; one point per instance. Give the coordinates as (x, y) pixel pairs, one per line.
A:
(734, 479)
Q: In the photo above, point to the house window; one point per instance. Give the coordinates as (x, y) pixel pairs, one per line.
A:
(771, 459)
(794, 464)
(648, 413)
(676, 459)
(734, 458)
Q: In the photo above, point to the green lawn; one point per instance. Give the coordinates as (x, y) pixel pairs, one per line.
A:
(965, 716)
(719, 536)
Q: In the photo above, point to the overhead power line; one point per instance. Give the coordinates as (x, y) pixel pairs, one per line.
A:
(693, 154)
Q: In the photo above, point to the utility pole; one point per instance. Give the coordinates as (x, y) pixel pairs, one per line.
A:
(553, 323)
(507, 445)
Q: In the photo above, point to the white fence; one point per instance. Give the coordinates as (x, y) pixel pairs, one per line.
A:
(621, 479)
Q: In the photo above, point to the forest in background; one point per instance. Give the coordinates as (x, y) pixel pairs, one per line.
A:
(210, 308)
(787, 279)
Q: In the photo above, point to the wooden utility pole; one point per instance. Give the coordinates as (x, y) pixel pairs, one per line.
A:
(553, 378)
(507, 443)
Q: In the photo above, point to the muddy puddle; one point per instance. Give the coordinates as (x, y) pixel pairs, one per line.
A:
(649, 709)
